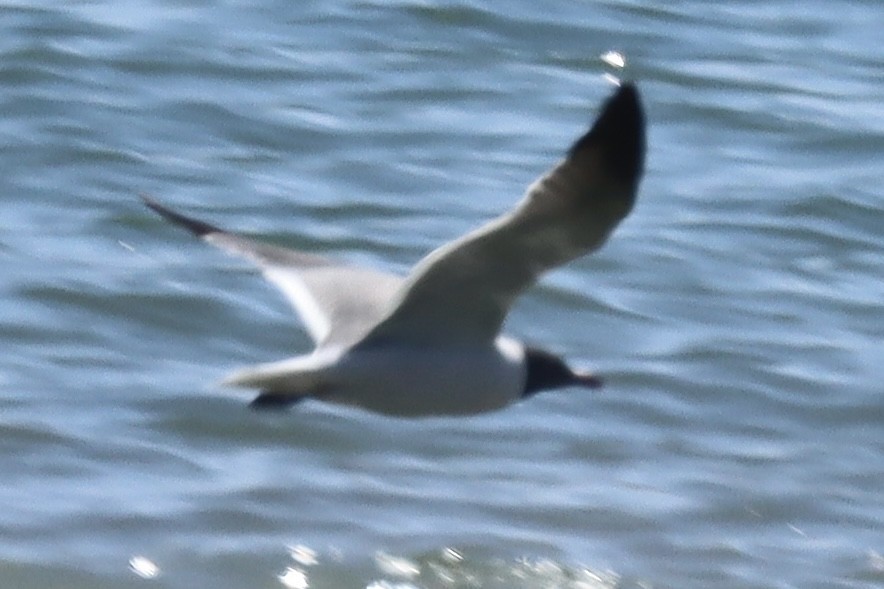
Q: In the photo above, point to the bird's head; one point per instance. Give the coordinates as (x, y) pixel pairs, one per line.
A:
(546, 371)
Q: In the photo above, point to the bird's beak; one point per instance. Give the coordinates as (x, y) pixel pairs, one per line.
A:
(588, 380)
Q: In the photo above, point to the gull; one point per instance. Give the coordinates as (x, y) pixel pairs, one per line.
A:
(429, 343)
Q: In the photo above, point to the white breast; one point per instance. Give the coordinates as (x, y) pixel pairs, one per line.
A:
(423, 380)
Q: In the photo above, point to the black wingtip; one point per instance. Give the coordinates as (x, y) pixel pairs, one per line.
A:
(619, 131)
(195, 226)
(270, 401)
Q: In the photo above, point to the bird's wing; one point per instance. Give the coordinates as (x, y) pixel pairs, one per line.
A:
(337, 303)
(463, 290)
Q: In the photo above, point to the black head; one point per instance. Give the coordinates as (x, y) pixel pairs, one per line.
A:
(547, 371)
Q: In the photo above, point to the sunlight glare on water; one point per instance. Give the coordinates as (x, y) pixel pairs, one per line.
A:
(143, 567)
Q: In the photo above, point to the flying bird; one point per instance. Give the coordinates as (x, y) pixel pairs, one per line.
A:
(429, 343)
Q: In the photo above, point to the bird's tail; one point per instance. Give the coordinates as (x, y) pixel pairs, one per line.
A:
(301, 373)
(282, 383)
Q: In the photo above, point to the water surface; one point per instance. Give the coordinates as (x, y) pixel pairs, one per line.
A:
(736, 314)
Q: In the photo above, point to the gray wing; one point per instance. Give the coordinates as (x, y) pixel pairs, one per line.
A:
(463, 290)
(337, 303)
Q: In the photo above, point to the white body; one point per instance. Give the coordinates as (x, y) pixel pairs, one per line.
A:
(405, 381)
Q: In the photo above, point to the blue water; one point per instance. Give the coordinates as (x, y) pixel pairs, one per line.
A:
(736, 314)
